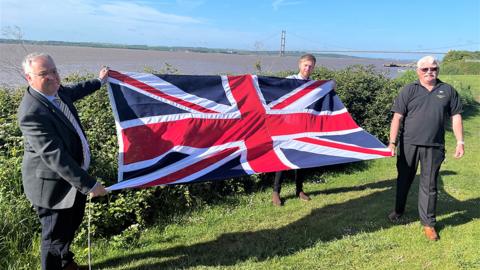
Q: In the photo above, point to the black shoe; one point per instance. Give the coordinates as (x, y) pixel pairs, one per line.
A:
(394, 216)
(74, 266)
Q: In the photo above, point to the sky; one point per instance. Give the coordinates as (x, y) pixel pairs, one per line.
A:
(314, 26)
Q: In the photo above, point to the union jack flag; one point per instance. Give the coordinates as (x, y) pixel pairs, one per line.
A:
(176, 129)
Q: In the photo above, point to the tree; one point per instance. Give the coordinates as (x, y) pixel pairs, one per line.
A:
(6, 62)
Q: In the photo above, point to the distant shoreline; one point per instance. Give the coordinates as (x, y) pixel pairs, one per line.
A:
(83, 59)
(165, 48)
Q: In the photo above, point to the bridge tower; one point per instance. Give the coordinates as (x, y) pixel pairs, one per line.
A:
(282, 43)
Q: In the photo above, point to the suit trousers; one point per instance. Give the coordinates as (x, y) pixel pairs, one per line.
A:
(430, 159)
(299, 176)
(58, 231)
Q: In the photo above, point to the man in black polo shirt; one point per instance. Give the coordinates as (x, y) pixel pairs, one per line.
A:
(423, 106)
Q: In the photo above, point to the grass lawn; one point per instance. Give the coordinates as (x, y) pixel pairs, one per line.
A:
(343, 227)
(457, 80)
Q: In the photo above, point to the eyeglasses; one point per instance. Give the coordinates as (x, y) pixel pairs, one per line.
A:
(432, 69)
(45, 73)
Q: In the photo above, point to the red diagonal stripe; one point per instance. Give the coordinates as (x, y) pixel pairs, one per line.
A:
(152, 140)
(286, 124)
(298, 95)
(157, 92)
(196, 167)
(260, 154)
(345, 147)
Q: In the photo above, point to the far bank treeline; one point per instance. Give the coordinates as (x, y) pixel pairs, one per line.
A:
(159, 48)
(367, 95)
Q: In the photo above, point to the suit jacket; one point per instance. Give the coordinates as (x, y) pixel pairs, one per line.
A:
(51, 172)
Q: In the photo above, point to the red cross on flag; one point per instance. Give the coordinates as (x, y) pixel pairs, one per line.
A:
(176, 129)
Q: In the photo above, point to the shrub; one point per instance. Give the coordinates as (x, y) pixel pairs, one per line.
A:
(407, 77)
(460, 56)
(367, 95)
(461, 63)
(465, 92)
(18, 221)
(461, 68)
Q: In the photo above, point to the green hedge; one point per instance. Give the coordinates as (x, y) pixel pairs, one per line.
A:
(461, 63)
(460, 56)
(18, 222)
(461, 68)
(367, 95)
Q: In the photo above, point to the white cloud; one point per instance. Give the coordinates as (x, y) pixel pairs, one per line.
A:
(121, 22)
(79, 20)
(142, 13)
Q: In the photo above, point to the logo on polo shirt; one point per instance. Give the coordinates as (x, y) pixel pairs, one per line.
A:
(441, 94)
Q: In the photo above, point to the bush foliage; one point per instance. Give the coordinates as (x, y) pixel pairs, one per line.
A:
(461, 62)
(367, 94)
(18, 222)
(461, 56)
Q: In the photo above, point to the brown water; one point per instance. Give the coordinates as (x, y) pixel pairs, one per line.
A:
(71, 59)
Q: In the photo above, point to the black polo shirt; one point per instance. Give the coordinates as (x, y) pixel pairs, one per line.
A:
(425, 112)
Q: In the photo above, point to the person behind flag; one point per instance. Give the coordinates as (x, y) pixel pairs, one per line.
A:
(423, 107)
(306, 65)
(56, 157)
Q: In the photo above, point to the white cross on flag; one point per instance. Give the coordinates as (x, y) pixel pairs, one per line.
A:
(176, 129)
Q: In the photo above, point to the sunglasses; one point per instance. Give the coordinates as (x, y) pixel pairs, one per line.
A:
(425, 70)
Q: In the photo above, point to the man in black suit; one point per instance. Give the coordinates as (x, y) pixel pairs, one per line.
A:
(56, 156)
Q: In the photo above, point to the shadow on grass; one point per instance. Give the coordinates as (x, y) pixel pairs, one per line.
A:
(358, 215)
(471, 111)
(468, 112)
(314, 174)
(447, 172)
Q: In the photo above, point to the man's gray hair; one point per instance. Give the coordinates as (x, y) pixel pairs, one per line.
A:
(27, 61)
(427, 60)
